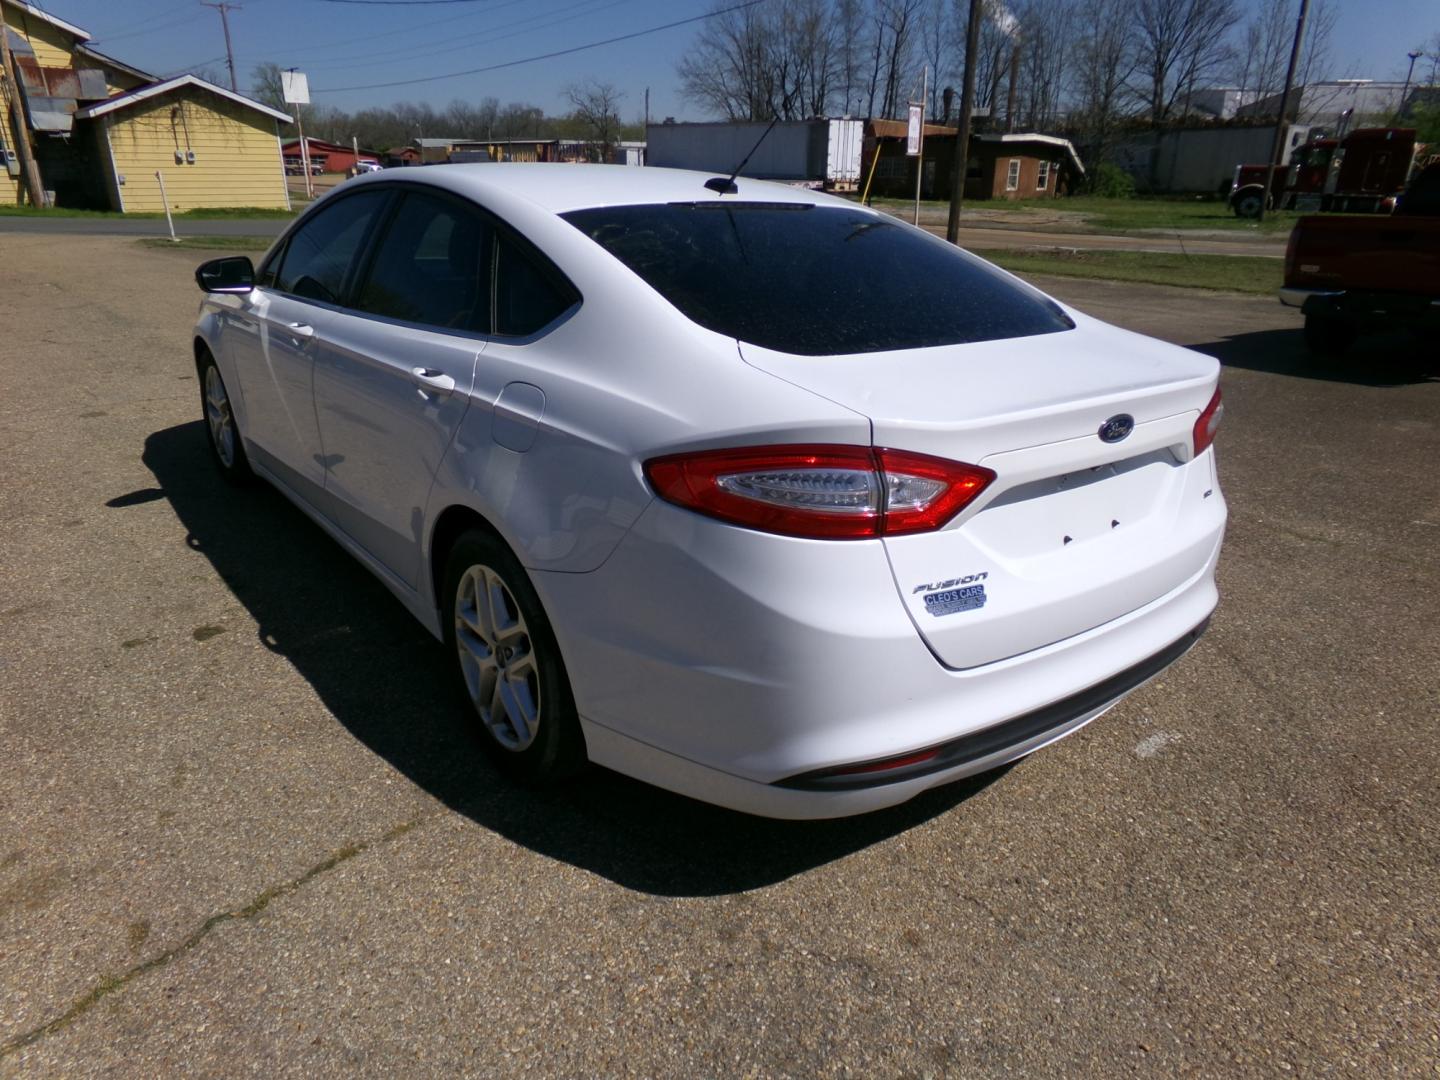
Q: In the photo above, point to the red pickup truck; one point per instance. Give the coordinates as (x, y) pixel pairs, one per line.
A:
(1352, 274)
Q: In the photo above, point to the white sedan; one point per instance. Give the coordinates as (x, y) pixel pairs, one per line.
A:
(746, 491)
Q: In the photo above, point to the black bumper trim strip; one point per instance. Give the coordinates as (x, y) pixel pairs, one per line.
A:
(1002, 736)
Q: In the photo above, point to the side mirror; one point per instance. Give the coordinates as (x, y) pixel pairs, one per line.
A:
(232, 274)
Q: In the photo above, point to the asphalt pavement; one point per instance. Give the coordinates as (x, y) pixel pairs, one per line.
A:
(243, 830)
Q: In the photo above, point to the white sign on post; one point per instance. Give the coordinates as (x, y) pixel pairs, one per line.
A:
(295, 87)
(912, 133)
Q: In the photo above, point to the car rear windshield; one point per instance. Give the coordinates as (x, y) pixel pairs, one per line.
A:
(816, 280)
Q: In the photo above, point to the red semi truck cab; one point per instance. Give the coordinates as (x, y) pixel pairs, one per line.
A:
(1360, 173)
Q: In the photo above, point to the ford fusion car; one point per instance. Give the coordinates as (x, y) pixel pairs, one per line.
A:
(751, 493)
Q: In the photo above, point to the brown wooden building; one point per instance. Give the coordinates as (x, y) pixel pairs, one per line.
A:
(1014, 165)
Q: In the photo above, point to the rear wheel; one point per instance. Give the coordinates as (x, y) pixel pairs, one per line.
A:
(508, 664)
(225, 444)
(1328, 335)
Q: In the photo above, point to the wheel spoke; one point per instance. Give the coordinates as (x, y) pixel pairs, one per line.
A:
(519, 707)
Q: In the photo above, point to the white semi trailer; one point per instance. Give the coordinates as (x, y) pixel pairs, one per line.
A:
(818, 153)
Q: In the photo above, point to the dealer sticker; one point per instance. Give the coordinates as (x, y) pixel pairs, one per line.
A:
(950, 601)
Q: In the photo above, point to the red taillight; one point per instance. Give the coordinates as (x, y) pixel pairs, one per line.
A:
(821, 492)
(1209, 421)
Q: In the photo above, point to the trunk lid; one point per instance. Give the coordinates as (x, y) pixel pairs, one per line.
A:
(1074, 531)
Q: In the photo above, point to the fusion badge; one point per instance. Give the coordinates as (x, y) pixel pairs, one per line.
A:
(954, 595)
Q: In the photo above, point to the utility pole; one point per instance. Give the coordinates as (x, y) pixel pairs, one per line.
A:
(1279, 144)
(967, 110)
(225, 7)
(33, 184)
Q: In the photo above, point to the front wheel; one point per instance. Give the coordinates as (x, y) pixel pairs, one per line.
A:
(508, 663)
(1247, 205)
(225, 444)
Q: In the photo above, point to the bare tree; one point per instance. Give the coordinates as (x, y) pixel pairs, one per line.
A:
(597, 109)
(849, 26)
(898, 25)
(266, 87)
(1103, 60)
(1316, 61)
(938, 36)
(1180, 44)
(997, 49)
(1046, 28)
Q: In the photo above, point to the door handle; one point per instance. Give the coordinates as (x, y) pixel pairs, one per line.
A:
(433, 379)
(300, 331)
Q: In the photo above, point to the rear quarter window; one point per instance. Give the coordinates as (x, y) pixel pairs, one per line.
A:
(816, 280)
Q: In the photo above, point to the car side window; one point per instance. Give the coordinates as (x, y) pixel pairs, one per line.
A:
(320, 253)
(432, 266)
(528, 295)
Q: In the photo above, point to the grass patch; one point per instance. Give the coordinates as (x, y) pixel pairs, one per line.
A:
(1230, 273)
(214, 213)
(247, 245)
(1121, 215)
(1131, 215)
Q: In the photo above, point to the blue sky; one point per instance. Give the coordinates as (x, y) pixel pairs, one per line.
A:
(354, 44)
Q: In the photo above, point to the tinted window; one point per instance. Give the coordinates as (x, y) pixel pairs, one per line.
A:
(431, 266)
(816, 280)
(320, 252)
(528, 297)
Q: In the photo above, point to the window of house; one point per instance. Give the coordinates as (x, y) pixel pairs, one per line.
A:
(1042, 176)
(1012, 175)
(892, 167)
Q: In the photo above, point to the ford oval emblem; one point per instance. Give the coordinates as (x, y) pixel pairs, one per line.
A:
(1117, 427)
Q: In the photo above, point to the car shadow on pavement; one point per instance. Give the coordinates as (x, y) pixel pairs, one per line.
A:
(386, 680)
(1394, 359)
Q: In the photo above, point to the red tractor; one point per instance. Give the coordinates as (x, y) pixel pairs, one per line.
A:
(1361, 172)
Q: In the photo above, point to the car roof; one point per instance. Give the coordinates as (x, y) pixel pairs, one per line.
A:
(559, 188)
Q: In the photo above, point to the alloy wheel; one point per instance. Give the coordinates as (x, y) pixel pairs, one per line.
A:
(497, 658)
(219, 417)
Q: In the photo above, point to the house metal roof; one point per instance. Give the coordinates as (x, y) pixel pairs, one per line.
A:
(45, 16)
(134, 97)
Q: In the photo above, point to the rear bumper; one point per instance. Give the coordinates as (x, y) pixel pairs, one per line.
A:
(730, 666)
(1296, 298)
(1361, 306)
(1018, 731)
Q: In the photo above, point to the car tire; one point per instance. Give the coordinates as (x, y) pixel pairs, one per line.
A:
(227, 449)
(1247, 205)
(1327, 335)
(507, 663)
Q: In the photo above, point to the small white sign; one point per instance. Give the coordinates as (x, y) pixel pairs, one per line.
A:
(913, 132)
(295, 87)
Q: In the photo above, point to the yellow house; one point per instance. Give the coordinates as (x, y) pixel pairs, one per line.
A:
(211, 146)
(102, 129)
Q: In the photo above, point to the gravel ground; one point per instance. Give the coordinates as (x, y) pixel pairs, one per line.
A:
(241, 830)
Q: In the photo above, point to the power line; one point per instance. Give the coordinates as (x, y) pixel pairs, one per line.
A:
(541, 56)
(151, 29)
(401, 3)
(151, 18)
(527, 25)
